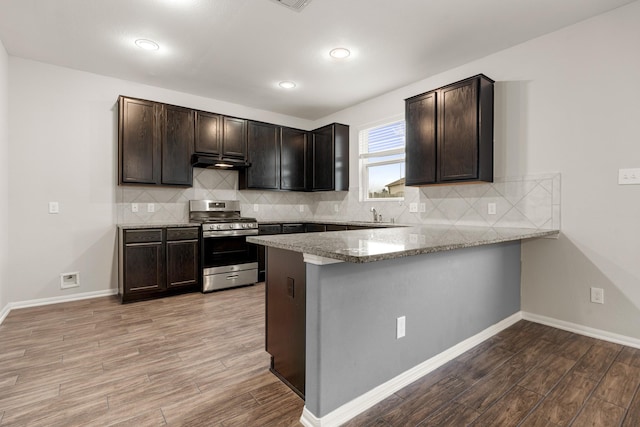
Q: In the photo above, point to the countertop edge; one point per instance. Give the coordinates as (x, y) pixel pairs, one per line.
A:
(266, 241)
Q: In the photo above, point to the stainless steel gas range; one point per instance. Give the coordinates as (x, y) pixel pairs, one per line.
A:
(227, 259)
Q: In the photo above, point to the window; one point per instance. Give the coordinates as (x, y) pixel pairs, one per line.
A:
(382, 161)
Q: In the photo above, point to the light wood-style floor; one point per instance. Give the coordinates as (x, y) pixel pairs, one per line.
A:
(199, 360)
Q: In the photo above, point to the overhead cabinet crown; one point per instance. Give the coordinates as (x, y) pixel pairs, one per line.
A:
(449, 133)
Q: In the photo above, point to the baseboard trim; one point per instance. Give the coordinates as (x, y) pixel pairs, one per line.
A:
(582, 330)
(4, 313)
(54, 300)
(378, 394)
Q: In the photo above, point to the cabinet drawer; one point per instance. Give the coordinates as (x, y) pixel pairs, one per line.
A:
(315, 228)
(182, 233)
(336, 227)
(292, 228)
(142, 236)
(269, 229)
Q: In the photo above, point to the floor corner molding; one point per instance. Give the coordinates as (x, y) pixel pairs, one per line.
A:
(54, 300)
(582, 330)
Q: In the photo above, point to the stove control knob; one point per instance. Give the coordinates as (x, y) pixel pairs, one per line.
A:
(244, 225)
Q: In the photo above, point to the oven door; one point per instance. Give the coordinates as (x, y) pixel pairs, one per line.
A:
(227, 250)
(228, 261)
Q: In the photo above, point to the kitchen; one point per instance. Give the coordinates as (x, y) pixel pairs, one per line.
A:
(548, 124)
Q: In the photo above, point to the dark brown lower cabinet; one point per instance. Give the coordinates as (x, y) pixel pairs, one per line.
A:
(143, 261)
(182, 261)
(286, 316)
(158, 262)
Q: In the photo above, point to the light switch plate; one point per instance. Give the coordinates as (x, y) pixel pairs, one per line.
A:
(151, 207)
(413, 207)
(491, 208)
(134, 207)
(401, 327)
(54, 207)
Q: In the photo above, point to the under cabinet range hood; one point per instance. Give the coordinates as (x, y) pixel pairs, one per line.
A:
(215, 162)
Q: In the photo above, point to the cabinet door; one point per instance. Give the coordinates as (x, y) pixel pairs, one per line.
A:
(458, 131)
(208, 131)
(234, 137)
(182, 263)
(264, 155)
(139, 150)
(177, 145)
(322, 159)
(286, 315)
(143, 268)
(420, 145)
(293, 157)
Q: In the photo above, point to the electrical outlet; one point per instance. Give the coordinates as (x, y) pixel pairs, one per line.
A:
(401, 323)
(54, 207)
(491, 208)
(423, 207)
(628, 176)
(597, 295)
(301, 207)
(151, 207)
(134, 207)
(413, 207)
(255, 207)
(69, 280)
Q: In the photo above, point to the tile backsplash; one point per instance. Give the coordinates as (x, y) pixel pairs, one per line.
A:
(530, 201)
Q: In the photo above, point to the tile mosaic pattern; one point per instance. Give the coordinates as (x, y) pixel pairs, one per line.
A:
(530, 201)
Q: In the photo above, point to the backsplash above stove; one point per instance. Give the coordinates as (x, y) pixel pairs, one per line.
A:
(532, 201)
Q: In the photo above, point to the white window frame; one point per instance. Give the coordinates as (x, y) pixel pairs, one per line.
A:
(364, 165)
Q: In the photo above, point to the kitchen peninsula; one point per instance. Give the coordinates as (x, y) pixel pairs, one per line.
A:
(334, 301)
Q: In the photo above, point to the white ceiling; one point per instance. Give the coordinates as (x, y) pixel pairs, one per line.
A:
(238, 50)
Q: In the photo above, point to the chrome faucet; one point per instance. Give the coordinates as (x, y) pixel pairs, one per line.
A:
(376, 217)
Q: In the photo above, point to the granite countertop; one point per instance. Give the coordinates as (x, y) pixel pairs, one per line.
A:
(333, 222)
(160, 225)
(360, 246)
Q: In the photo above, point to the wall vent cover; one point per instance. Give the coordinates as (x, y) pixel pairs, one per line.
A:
(296, 5)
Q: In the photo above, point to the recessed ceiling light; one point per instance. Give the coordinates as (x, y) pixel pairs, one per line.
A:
(147, 44)
(287, 84)
(339, 53)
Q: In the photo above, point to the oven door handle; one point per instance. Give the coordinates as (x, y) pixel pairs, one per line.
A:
(232, 276)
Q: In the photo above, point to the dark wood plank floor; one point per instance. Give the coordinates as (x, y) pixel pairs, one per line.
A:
(199, 360)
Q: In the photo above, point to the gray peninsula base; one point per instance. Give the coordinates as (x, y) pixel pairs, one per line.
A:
(351, 312)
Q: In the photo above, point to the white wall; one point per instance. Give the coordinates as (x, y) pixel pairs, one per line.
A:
(566, 102)
(4, 175)
(64, 148)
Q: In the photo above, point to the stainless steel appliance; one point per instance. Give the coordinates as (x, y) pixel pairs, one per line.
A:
(227, 259)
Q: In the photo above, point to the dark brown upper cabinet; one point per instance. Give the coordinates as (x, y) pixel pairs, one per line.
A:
(155, 143)
(177, 145)
(293, 159)
(234, 137)
(208, 133)
(263, 152)
(329, 159)
(449, 136)
(138, 149)
(221, 135)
